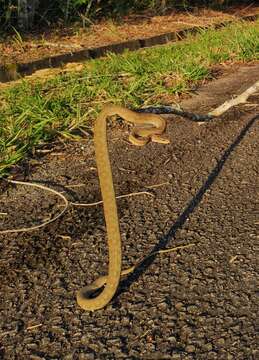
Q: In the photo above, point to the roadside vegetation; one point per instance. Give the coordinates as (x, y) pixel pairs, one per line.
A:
(28, 14)
(35, 113)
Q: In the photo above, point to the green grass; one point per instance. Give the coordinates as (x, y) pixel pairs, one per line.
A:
(34, 113)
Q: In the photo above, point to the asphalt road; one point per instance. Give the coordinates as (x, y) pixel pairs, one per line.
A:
(196, 303)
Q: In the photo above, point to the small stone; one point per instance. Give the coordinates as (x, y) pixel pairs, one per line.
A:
(176, 357)
(162, 306)
(57, 330)
(179, 306)
(230, 357)
(172, 339)
(190, 348)
(84, 340)
(221, 342)
(125, 321)
(69, 357)
(192, 309)
(207, 347)
(84, 357)
(236, 329)
(185, 333)
(32, 346)
(200, 335)
(150, 346)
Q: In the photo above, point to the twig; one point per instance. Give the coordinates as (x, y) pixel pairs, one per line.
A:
(50, 44)
(57, 154)
(144, 334)
(45, 188)
(233, 258)
(240, 99)
(65, 237)
(43, 151)
(238, 12)
(199, 118)
(74, 186)
(117, 197)
(126, 170)
(33, 327)
(180, 247)
(157, 185)
(186, 23)
(162, 251)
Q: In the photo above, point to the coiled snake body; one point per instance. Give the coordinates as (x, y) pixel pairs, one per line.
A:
(147, 127)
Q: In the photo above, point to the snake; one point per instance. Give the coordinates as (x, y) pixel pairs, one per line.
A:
(147, 127)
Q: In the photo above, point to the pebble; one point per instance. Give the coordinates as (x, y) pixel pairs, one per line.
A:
(190, 349)
(179, 306)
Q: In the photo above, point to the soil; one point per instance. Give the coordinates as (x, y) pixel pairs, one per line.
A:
(197, 303)
(60, 40)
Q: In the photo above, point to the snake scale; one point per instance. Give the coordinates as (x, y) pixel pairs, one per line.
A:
(148, 126)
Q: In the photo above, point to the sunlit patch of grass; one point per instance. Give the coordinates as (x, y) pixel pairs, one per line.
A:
(35, 113)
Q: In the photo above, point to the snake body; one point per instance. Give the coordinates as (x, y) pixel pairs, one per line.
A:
(147, 127)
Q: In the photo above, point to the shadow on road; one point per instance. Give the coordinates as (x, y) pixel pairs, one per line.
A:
(124, 284)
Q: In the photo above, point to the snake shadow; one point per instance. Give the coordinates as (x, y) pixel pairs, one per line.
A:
(189, 209)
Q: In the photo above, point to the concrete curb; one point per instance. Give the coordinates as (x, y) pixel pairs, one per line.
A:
(14, 71)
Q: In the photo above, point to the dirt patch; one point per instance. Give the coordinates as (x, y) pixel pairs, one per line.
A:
(61, 41)
(197, 303)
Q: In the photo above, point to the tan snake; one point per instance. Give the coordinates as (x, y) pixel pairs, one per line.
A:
(147, 127)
